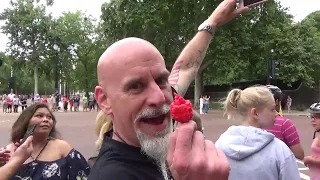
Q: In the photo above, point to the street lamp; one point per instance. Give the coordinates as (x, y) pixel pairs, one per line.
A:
(270, 68)
(56, 79)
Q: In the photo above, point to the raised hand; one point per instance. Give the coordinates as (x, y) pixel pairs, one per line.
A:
(191, 157)
(23, 152)
(226, 11)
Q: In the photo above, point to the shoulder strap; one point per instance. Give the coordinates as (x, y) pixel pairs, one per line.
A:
(42, 149)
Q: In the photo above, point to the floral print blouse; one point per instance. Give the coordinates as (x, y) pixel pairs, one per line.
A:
(74, 167)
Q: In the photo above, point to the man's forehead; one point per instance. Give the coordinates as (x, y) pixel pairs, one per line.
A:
(140, 75)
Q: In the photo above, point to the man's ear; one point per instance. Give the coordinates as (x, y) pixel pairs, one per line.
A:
(102, 100)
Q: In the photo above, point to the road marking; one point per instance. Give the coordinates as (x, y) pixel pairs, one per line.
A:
(300, 161)
(303, 176)
(303, 169)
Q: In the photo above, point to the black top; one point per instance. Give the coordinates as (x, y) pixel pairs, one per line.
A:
(119, 161)
(74, 166)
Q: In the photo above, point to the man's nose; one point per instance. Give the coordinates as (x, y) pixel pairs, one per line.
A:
(155, 97)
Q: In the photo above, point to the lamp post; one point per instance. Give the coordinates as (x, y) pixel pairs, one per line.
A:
(56, 77)
(270, 68)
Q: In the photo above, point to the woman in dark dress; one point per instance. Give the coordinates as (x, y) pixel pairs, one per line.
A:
(52, 158)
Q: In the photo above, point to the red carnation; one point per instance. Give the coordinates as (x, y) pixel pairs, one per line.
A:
(181, 109)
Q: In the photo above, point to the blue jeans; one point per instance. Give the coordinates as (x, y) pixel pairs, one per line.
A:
(205, 108)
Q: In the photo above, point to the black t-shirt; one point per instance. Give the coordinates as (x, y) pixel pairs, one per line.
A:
(119, 161)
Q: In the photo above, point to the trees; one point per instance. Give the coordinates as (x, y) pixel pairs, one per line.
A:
(240, 49)
(79, 49)
(32, 34)
(5, 74)
(309, 31)
(26, 25)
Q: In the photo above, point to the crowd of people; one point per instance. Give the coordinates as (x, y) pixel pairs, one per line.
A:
(137, 138)
(11, 103)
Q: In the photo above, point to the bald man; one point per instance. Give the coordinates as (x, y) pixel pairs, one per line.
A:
(135, 91)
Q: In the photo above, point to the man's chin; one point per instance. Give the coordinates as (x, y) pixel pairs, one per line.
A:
(155, 146)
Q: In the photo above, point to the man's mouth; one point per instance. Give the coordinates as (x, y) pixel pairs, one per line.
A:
(154, 120)
(44, 126)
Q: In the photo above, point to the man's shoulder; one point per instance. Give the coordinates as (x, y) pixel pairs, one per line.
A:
(112, 171)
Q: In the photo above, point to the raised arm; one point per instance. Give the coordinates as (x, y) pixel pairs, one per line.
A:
(188, 63)
(22, 153)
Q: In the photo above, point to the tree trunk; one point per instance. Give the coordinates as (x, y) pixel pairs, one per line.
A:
(198, 88)
(36, 79)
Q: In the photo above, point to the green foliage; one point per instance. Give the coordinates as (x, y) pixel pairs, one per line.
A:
(239, 51)
(32, 36)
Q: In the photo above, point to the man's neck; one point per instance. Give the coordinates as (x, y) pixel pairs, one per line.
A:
(117, 137)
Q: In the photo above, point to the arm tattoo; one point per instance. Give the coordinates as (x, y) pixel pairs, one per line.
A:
(174, 75)
(197, 63)
(175, 72)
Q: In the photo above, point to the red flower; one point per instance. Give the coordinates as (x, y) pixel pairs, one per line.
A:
(181, 109)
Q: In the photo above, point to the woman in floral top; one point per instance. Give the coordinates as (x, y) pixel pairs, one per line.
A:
(52, 158)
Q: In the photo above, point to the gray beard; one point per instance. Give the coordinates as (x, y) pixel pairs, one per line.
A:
(157, 147)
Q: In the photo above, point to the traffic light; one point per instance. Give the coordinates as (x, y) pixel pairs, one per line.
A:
(276, 69)
(273, 69)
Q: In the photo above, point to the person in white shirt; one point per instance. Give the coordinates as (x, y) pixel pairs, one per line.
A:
(201, 105)
(15, 103)
(11, 95)
(37, 98)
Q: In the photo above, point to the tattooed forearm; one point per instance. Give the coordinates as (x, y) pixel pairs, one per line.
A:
(195, 64)
(192, 66)
(174, 75)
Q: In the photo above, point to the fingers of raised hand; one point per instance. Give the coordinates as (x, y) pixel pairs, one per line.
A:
(182, 151)
(172, 147)
(28, 141)
(199, 160)
(218, 164)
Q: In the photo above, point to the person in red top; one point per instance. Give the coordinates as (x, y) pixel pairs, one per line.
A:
(283, 127)
(71, 102)
(9, 101)
(65, 103)
(44, 100)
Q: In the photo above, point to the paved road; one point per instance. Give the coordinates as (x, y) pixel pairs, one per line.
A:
(78, 130)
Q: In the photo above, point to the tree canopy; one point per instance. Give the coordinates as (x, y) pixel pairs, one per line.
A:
(239, 51)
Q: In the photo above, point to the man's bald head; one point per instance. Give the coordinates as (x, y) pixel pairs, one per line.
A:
(134, 91)
(121, 53)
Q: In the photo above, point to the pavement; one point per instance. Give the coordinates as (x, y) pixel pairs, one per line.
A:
(77, 128)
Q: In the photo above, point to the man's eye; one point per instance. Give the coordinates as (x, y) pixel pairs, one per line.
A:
(162, 82)
(135, 86)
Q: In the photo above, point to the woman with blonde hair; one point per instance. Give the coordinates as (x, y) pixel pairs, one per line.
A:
(254, 153)
(103, 125)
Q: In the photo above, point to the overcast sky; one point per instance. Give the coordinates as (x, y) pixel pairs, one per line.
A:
(299, 9)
